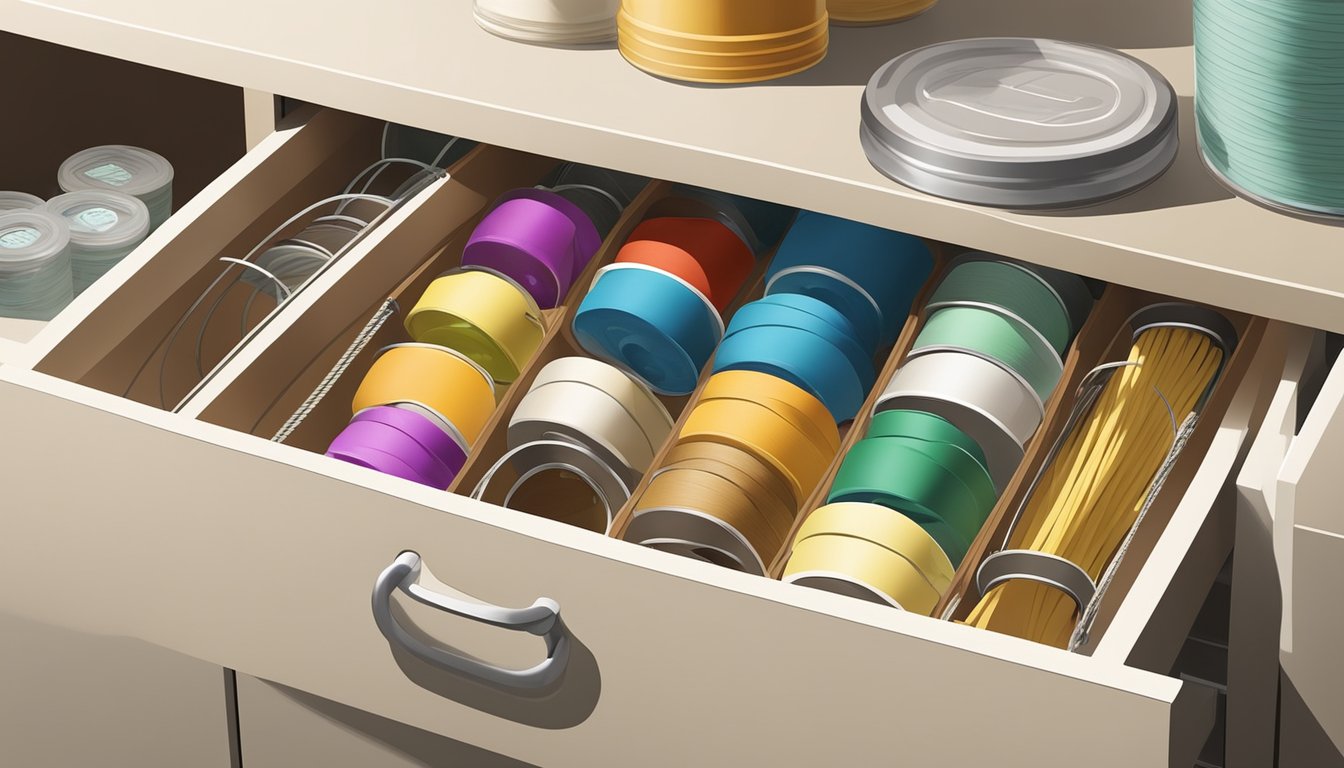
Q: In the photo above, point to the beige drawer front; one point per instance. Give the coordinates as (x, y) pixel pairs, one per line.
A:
(280, 727)
(78, 699)
(261, 557)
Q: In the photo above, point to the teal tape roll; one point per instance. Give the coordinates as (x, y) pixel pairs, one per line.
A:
(1270, 99)
(1011, 287)
(995, 336)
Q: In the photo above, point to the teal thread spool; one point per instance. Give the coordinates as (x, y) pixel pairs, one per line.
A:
(1269, 102)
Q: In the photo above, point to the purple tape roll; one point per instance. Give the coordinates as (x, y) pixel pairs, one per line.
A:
(401, 443)
(539, 239)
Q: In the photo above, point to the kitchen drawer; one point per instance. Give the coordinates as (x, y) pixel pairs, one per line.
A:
(280, 727)
(196, 124)
(81, 699)
(132, 333)
(262, 557)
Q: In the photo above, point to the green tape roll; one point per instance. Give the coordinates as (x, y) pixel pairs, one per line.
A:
(919, 481)
(997, 337)
(923, 425)
(1011, 287)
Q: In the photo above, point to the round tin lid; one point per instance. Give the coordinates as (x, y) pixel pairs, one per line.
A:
(1019, 122)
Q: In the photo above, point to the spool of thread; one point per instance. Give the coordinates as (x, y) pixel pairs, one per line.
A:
(868, 12)
(537, 238)
(133, 171)
(871, 275)
(402, 443)
(872, 553)
(483, 315)
(546, 22)
(650, 323)
(442, 380)
(1269, 99)
(715, 42)
(104, 228)
(18, 201)
(35, 278)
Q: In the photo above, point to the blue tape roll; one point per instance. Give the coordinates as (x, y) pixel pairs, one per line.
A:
(651, 324)
(812, 315)
(799, 357)
(889, 266)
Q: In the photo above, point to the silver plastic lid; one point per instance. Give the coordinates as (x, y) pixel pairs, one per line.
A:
(102, 219)
(1019, 122)
(18, 201)
(31, 238)
(131, 170)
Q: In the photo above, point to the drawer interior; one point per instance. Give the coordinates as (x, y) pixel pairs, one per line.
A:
(142, 342)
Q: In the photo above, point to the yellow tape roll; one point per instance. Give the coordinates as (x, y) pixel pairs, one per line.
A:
(484, 316)
(885, 527)
(440, 379)
(822, 561)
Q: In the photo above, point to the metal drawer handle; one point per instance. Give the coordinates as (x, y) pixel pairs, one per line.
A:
(542, 618)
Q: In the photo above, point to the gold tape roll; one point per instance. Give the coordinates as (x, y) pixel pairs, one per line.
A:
(860, 568)
(442, 380)
(645, 407)
(794, 403)
(865, 12)
(887, 528)
(757, 429)
(760, 483)
(483, 315)
(699, 19)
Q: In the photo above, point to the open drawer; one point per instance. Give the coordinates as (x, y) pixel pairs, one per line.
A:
(1291, 484)
(261, 557)
(196, 124)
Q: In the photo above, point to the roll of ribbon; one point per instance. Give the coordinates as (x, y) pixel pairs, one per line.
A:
(648, 412)
(762, 485)
(936, 484)
(859, 568)
(443, 380)
(759, 430)
(794, 309)
(800, 357)
(721, 254)
(400, 442)
(129, 170)
(795, 404)
(18, 201)
(537, 238)
(535, 461)
(979, 281)
(869, 274)
(865, 12)
(483, 315)
(584, 414)
(996, 336)
(886, 527)
(35, 277)
(921, 425)
(104, 227)
(991, 405)
(655, 325)
(669, 259)
(576, 22)
(712, 41)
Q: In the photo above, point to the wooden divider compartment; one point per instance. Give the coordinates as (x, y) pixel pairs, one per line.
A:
(118, 345)
(847, 430)
(562, 343)
(263, 396)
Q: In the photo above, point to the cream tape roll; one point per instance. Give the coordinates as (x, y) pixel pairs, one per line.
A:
(582, 413)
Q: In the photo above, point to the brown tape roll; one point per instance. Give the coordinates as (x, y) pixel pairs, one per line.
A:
(760, 482)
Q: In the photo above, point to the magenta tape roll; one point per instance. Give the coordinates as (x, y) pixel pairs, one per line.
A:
(402, 443)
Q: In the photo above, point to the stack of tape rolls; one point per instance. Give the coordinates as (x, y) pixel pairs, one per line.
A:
(749, 454)
(865, 12)
(130, 170)
(1088, 500)
(871, 275)
(590, 421)
(1269, 97)
(547, 22)
(35, 278)
(948, 432)
(18, 201)
(105, 227)
(657, 312)
(417, 414)
(713, 41)
(483, 315)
